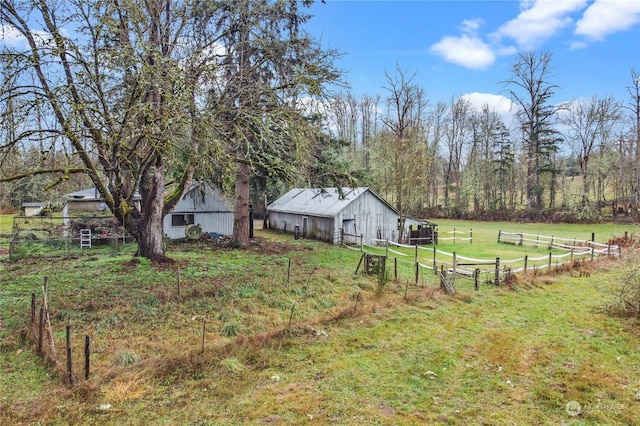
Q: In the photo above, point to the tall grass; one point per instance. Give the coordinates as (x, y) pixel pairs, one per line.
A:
(250, 341)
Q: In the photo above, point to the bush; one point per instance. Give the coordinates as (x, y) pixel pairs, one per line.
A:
(624, 288)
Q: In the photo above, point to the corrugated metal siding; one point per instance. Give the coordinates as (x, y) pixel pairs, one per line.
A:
(319, 228)
(371, 217)
(361, 212)
(220, 223)
(211, 211)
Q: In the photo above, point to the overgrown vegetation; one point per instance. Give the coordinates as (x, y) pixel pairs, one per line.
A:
(241, 337)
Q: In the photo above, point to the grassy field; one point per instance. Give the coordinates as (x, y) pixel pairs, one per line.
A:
(285, 333)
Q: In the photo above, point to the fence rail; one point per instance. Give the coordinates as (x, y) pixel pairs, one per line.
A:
(448, 264)
(455, 237)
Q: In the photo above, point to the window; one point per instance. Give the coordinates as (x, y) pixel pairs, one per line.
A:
(182, 219)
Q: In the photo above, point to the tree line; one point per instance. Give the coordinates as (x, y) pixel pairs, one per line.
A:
(452, 159)
(146, 97)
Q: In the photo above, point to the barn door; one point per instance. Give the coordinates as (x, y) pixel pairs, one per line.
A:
(305, 220)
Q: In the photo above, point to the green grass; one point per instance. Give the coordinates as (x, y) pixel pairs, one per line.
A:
(314, 342)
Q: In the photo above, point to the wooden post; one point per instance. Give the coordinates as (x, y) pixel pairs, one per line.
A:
(178, 279)
(499, 234)
(386, 249)
(526, 261)
(470, 235)
(204, 331)
(592, 253)
(496, 279)
(550, 256)
(33, 309)
(87, 352)
(537, 240)
(417, 272)
(395, 268)
(608, 250)
(521, 239)
(289, 271)
(476, 273)
(359, 263)
(551, 243)
(435, 266)
(454, 235)
(40, 330)
(572, 253)
(69, 361)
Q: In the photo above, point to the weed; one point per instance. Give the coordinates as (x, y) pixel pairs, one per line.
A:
(230, 329)
(233, 365)
(126, 357)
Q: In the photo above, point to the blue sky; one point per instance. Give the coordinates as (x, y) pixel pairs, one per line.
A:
(468, 47)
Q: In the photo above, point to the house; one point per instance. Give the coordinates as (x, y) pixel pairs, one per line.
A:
(329, 213)
(201, 205)
(32, 209)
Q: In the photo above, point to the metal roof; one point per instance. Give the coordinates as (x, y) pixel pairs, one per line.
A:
(323, 202)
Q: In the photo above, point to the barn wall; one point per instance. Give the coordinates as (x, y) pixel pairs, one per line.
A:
(367, 215)
(318, 228)
(211, 211)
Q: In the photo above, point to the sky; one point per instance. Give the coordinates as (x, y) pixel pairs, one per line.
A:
(468, 47)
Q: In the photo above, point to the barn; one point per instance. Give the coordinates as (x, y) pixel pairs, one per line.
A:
(201, 205)
(326, 213)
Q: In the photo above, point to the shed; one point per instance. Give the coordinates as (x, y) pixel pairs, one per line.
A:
(325, 213)
(32, 209)
(201, 205)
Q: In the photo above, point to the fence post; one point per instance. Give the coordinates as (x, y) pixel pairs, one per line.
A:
(33, 309)
(496, 279)
(476, 273)
(40, 330)
(499, 234)
(572, 255)
(470, 235)
(395, 268)
(521, 239)
(435, 266)
(454, 235)
(417, 272)
(86, 357)
(526, 261)
(416, 253)
(537, 240)
(362, 242)
(69, 361)
(550, 261)
(608, 250)
(592, 253)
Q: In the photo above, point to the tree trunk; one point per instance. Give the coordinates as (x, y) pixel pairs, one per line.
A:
(148, 228)
(241, 218)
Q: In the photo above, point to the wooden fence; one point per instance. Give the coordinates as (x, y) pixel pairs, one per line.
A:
(42, 336)
(449, 265)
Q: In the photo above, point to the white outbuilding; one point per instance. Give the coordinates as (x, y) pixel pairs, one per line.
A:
(331, 214)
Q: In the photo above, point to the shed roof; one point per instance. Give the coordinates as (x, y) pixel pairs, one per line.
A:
(323, 202)
(32, 204)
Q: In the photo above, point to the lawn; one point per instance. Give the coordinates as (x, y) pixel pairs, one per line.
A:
(285, 333)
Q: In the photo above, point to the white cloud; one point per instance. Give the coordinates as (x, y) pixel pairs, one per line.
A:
(468, 51)
(10, 37)
(538, 21)
(604, 17)
(501, 105)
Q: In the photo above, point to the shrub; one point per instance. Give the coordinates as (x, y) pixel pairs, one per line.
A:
(624, 288)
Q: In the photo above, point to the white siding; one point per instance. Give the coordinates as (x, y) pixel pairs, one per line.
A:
(212, 212)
